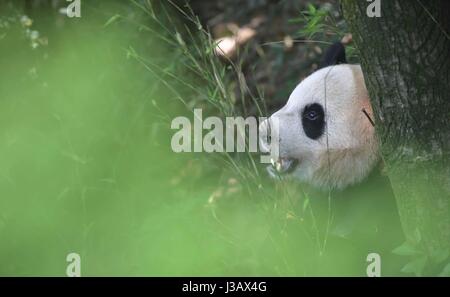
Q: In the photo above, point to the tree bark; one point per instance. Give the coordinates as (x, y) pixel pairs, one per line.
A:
(405, 57)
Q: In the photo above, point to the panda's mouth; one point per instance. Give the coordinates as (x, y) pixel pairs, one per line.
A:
(282, 166)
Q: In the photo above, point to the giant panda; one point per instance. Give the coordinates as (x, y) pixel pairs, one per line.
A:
(326, 134)
(327, 141)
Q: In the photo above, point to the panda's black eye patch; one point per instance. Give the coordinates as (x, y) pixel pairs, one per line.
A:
(313, 120)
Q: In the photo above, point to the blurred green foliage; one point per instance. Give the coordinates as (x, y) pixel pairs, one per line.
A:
(86, 164)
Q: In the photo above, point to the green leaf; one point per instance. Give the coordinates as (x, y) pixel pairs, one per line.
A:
(406, 249)
(439, 256)
(416, 266)
(445, 271)
(179, 38)
(131, 53)
(305, 203)
(112, 20)
(311, 8)
(416, 236)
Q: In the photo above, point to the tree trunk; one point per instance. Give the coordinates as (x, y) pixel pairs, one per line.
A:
(405, 57)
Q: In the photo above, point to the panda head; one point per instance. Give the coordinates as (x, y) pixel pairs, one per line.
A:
(324, 132)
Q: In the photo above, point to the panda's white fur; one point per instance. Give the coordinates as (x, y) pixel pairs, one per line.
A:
(348, 150)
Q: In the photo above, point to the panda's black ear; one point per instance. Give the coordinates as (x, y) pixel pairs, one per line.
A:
(335, 54)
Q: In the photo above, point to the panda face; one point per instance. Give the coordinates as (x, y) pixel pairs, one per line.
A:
(325, 138)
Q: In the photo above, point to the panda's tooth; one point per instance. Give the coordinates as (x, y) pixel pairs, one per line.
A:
(272, 161)
(278, 166)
